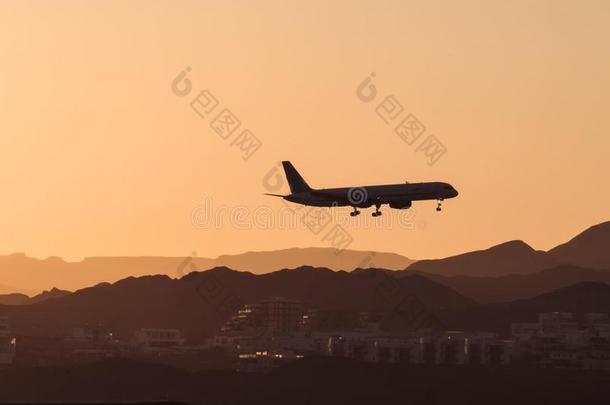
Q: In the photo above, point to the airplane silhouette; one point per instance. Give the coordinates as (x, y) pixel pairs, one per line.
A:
(398, 196)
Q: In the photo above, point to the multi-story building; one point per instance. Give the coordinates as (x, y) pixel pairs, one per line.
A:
(488, 349)
(8, 342)
(156, 339)
(260, 353)
(449, 348)
(558, 339)
(257, 332)
(354, 344)
(276, 315)
(86, 343)
(225, 341)
(281, 315)
(595, 318)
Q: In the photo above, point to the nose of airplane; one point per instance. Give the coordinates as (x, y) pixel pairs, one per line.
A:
(455, 192)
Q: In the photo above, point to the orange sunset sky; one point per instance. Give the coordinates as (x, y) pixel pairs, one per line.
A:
(98, 156)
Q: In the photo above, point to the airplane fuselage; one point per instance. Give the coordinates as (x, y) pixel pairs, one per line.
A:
(396, 195)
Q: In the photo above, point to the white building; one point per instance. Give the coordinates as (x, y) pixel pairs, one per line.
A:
(559, 340)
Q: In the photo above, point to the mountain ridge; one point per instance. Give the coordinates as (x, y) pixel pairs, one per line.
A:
(43, 274)
(588, 249)
(512, 257)
(188, 304)
(512, 287)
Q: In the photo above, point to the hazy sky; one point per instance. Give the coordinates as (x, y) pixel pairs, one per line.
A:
(98, 156)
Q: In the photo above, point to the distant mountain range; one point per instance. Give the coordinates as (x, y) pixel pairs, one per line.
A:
(330, 258)
(485, 289)
(39, 275)
(515, 257)
(196, 303)
(513, 270)
(588, 250)
(22, 299)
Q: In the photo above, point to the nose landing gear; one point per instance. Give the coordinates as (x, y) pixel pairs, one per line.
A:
(439, 201)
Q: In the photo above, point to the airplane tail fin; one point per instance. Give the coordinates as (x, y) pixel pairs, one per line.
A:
(295, 181)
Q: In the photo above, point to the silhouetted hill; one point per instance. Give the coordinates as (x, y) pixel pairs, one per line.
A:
(22, 299)
(515, 257)
(50, 294)
(14, 299)
(371, 290)
(590, 248)
(200, 302)
(39, 275)
(197, 303)
(518, 286)
(578, 298)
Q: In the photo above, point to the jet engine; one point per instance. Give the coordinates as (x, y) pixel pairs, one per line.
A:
(400, 204)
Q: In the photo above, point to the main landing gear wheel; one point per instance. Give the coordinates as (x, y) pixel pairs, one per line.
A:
(355, 212)
(438, 207)
(377, 213)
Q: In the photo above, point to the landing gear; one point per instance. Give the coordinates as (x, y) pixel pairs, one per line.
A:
(377, 213)
(355, 212)
(439, 201)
